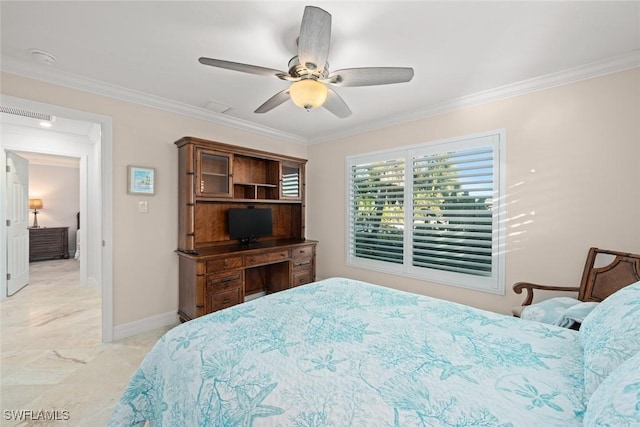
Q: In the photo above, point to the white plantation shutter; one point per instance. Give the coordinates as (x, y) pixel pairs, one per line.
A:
(377, 210)
(431, 212)
(452, 211)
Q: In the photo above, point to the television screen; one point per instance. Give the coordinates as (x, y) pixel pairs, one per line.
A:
(248, 223)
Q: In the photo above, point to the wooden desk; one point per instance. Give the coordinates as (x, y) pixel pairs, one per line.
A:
(222, 276)
(48, 243)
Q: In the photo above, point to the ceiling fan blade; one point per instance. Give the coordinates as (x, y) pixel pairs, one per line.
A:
(336, 105)
(245, 68)
(274, 101)
(370, 76)
(315, 36)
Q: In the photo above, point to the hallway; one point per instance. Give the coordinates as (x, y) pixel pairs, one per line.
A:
(52, 354)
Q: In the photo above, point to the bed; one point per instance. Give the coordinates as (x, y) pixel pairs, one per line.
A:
(341, 352)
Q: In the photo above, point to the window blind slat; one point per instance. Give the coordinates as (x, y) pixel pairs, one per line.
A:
(442, 219)
(450, 237)
(422, 245)
(443, 227)
(437, 185)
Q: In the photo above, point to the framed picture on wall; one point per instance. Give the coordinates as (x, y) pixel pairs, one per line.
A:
(140, 180)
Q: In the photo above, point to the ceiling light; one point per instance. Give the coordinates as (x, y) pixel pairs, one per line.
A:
(48, 123)
(308, 93)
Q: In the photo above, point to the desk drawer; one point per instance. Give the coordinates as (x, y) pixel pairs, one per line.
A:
(302, 252)
(218, 283)
(302, 262)
(221, 264)
(224, 299)
(266, 258)
(302, 276)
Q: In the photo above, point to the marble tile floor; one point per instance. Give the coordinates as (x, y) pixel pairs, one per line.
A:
(52, 355)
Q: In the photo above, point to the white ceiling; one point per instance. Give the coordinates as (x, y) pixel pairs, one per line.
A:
(462, 53)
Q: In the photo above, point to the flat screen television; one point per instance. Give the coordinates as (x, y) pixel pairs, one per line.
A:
(246, 224)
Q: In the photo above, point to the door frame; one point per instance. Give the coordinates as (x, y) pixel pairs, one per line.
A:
(98, 168)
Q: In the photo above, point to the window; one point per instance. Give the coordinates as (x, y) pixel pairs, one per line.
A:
(432, 211)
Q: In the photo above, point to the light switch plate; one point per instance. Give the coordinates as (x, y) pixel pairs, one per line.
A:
(143, 207)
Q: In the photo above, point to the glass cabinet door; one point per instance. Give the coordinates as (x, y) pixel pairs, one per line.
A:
(290, 179)
(213, 175)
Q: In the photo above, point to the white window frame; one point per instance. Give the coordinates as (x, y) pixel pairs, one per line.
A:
(493, 283)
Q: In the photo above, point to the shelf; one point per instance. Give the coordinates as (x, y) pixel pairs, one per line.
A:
(256, 184)
(255, 191)
(250, 201)
(215, 174)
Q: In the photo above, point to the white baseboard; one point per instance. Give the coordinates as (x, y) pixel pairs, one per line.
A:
(254, 296)
(145, 325)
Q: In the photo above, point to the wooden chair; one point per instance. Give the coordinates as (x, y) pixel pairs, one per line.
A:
(605, 272)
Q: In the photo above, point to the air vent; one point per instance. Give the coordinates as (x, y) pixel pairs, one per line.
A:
(25, 113)
(217, 107)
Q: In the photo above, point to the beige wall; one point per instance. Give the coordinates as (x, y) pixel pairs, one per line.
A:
(582, 140)
(145, 266)
(573, 181)
(59, 189)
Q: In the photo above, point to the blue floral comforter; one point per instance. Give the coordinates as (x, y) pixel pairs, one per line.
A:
(340, 352)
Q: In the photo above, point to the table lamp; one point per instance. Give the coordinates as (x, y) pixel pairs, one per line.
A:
(35, 204)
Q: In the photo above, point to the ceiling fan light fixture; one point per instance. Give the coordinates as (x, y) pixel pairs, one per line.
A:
(308, 93)
(309, 70)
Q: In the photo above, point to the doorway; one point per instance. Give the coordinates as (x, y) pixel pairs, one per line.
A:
(94, 149)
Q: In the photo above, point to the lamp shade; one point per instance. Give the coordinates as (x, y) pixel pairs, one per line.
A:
(35, 203)
(308, 93)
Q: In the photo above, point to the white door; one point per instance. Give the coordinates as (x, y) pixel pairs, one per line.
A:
(18, 223)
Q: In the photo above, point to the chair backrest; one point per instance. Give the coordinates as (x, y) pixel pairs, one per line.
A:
(606, 272)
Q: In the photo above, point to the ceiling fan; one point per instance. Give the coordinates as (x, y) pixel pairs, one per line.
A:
(309, 71)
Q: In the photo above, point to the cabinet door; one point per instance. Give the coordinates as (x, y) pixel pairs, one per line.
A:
(213, 173)
(291, 180)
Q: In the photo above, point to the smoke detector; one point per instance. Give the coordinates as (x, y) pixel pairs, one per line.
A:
(42, 56)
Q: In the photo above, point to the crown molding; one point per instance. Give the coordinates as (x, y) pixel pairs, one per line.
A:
(611, 65)
(74, 81)
(596, 69)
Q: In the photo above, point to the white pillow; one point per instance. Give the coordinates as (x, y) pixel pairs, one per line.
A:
(610, 335)
(559, 311)
(616, 402)
(548, 311)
